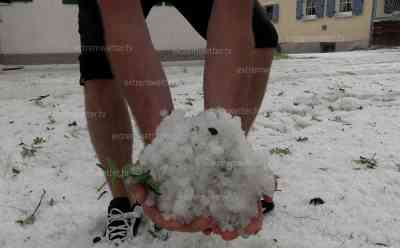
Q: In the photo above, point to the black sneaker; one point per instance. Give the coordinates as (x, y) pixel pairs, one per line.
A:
(123, 221)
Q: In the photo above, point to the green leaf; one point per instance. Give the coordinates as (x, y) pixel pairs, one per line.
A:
(154, 186)
(369, 163)
(144, 177)
(27, 221)
(280, 151)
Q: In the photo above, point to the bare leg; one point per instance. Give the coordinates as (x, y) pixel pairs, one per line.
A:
(261, 62)
(138, 68)
(109, 127)
(227, 83)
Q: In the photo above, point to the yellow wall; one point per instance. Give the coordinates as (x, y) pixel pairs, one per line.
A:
(380, 8)
(291, 30)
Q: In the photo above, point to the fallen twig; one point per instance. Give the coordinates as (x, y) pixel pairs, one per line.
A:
(370, 163)
(31, 218)
(101, 195)
(13, 68)
(101, 187)
(280, 151)
(101, 166)
(39, 98)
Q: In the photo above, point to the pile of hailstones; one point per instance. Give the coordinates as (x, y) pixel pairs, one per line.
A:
(205, 167)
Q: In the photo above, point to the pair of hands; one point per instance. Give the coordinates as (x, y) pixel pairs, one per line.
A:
(203, 224)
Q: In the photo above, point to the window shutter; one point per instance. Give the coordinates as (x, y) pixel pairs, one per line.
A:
(275, 13)
(358, 7)
(300, 9)
(320, 8)
(331, 8)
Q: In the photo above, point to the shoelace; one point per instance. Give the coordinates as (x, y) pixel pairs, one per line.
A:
(122, 231)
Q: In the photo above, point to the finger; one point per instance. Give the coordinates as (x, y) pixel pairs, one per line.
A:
(155, 215)
(229, 235)
(138, 192)
(256, 223)
(267, 198)
(197, 225)
(174, 225)
(216, 229)
(202, 223)
(254, 227)
(207, 232)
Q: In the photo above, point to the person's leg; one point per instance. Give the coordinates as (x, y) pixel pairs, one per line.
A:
(107, 114)
(261, 61)
(144, 85)
(138, 70)
(198, 14)
(266, 39)
(229, 30)
(110, 128)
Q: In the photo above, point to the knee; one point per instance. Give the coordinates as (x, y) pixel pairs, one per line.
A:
(263, 57)
(102, 93)
(100, 88)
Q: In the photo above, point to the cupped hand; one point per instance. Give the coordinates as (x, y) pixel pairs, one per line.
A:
(139, 193)
(205, 224)
(252, 228)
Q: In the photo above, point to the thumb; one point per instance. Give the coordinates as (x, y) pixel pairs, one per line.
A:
(137, 192)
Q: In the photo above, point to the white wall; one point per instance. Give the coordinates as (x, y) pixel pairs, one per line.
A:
(170, 30)
(48, 26)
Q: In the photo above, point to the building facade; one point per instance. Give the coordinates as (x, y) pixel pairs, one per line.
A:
(322, 25)
(335, 25)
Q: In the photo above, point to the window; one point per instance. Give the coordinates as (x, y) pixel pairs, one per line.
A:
(327, 47)
(392, 6)
(311, 8)
(345, 6)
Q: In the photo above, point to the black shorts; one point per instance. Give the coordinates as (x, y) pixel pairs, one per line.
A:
(93, 60)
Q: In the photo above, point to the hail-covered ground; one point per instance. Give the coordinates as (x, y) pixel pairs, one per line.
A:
(329, 126)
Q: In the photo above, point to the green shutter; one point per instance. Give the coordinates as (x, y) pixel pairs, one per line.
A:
(331, 8)
(320, 4)
(275, 13)
(358, 7)
(300, 9)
